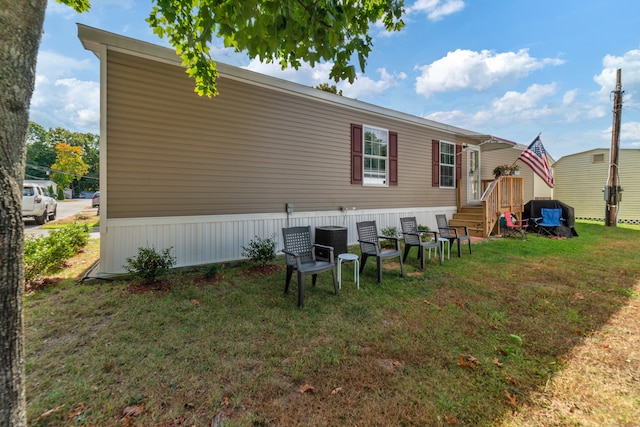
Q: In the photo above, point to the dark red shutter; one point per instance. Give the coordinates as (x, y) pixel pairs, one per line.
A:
(393, 158)
(356, 153)
(435, 163)
(458, 163)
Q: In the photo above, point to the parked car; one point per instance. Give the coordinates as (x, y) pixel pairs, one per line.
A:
(95, 200)
(37, 204)
(86, 194)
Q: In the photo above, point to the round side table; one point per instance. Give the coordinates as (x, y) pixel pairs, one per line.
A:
(356, 267)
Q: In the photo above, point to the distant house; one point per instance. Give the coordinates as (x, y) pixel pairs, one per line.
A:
(205, 176)
(581, 178)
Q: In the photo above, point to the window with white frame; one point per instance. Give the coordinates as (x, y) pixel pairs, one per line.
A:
(447, 165)
(375, 154)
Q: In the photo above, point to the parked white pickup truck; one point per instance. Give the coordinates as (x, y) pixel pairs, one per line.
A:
(37, 203)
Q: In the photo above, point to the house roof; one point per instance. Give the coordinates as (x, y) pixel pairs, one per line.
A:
(94, 39)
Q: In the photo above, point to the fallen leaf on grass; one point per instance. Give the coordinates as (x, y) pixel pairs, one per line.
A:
(511, 380)
(305, 388)
(468, 361)
(76, 411)
(451, 420)
(225, 401)
(578, 296)
(496, 362)
(511, 398)
(336, 390)
(133, 410)
(195, 302)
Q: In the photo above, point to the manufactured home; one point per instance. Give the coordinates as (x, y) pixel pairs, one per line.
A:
(581, 178)
(212, 174)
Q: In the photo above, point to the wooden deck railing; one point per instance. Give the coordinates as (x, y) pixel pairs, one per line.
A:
(504, 194)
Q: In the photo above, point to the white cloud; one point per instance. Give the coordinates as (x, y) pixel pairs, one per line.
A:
(629, 63)
(60, 100)
(511, 107)
(364, 87)
(630, 134)
(68, 103)
(52, 65)
(81, 102)
(466, 69)
(436, 9)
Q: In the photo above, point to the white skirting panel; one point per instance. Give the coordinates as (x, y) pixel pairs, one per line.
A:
(198, 240)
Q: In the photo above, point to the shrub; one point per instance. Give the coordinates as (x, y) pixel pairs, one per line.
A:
(48, 254)
(390, 232)
(211, 271)
(261, 250)
(76, 235)
(148, 265)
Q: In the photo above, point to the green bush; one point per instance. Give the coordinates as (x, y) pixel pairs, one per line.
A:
(261, 250)
(211, 271)
(60, 194)
(48, 254)
(390, 232)
(148, 265)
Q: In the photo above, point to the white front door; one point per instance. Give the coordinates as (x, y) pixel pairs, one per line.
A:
(474, 190)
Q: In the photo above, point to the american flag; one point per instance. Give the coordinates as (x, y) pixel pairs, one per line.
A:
(536, 158)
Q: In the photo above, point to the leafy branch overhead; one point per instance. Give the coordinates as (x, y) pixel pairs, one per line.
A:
(286, 31)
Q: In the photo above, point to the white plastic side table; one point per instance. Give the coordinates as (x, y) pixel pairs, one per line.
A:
(356, 268)
(443, 241)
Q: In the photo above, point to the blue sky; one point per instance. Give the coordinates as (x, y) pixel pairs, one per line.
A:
(512, 69)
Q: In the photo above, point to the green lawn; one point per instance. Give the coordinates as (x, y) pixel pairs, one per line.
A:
(465, 343)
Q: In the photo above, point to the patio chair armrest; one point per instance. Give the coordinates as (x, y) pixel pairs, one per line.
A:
(435, 234)
(454, 229)
(329, 248)
(411, 234)
(466, 229)
(296, 256)
(374, 244)
(293, 254)
(394, 239)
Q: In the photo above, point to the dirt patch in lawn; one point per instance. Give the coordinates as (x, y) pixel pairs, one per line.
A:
(263, 270)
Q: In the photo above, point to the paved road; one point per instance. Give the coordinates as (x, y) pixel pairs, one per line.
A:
(66, 209)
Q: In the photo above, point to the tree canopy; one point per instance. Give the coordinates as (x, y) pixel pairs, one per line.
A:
(69, 165)
(287, 31)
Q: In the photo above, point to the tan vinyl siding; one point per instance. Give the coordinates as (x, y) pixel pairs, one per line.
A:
(250, 150)
(580, 180)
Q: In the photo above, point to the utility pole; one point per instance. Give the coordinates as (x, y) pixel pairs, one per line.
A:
(612, 191)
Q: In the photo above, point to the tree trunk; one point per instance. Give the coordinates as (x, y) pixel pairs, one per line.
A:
(20, 29)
